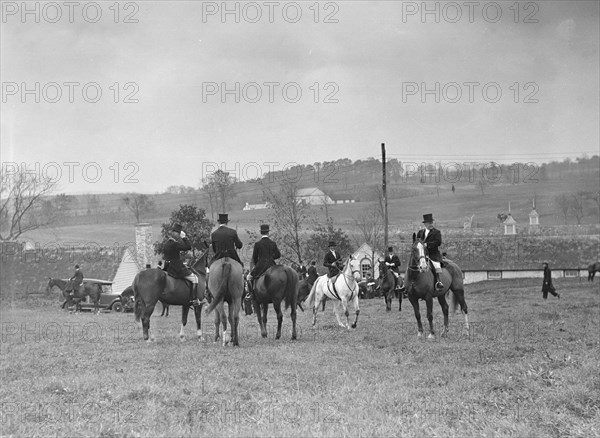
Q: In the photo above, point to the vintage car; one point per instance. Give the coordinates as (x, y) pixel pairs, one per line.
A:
(108, 300)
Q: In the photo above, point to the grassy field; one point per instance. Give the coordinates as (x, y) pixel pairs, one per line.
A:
(527, 367)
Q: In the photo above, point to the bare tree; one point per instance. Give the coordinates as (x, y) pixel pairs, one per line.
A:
(564, 204)
(219, 188)
(21, 196)
(576, 205)
(288, 218)
(138, 204)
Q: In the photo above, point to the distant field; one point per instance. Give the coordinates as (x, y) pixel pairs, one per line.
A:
(527, 367)
(448, 208)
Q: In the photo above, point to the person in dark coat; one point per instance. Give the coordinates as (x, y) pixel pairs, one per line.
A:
(312, 273)
(547, 285)
(432, 237)
(392, 261)
(225, 240)
(74, 284)
(333, 261)
(302, 271)
(263, 256)
(176, 243)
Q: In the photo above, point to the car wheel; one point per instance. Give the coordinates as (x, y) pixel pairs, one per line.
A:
(117, 307)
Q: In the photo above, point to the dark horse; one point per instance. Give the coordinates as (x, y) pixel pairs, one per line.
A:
(93, 290)
(279, 283)
(387, 281)
(592, 269)
(153, 285)
(226, 283)
(304, 287)
(420, 286)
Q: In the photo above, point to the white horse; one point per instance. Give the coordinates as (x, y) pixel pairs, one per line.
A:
(340, 289)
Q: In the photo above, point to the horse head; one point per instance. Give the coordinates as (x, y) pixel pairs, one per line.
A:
(349, 272)
(418, 257)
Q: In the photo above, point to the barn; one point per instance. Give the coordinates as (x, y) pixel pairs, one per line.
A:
(313, 196)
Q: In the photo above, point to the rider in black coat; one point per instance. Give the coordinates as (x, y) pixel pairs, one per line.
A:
(432, 237)
(263, 256)
(172, 254)
(225, 240)
(332, 261)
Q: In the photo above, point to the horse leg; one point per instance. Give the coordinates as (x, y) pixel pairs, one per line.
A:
(459, 294)
(356, 311)
(444, 304)
(217, 324)
(345, 307)
(429, 303)
(277, 308)
(258, 311)
(198, 315)
(415, 303)
(184, 316)
(234, 320)
(400, 301)
(293, 315)
(264, 329)
(146, 323)
(336, 305)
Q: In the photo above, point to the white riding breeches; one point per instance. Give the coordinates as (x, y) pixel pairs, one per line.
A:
(192, 277)
(437, 266)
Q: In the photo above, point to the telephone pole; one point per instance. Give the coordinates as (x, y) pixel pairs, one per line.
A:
(385, 204)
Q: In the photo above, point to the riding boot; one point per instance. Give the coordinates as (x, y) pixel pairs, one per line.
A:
(194, 294)
(438, 284)
(250, 283)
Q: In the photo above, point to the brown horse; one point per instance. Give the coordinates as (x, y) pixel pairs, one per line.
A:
(279, 283)
(592, 269)
(93, 290)
(226, 283)
(153, 285)
(420, 286)
(387, 283)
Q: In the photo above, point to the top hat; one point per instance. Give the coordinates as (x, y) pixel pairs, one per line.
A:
(390, 249)
(332, 244)
(76, 266)
(428, 218)
(177, 228)
(264, 228)
(223, 218)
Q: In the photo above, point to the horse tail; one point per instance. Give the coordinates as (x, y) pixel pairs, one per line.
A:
(139, 301)
(219, 294)
(310, 300)
(291, 289)
(453, 303)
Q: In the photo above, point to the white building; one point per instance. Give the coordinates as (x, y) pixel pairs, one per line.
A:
(366, 260)
(313, 196)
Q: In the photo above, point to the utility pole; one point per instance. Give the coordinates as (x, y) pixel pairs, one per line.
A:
(385, 204)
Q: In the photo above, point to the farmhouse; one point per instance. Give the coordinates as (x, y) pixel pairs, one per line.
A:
(313, 196)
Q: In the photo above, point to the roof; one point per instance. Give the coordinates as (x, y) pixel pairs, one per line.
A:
(533, 213)
(94, 280)
(310, 191)
(510, 220)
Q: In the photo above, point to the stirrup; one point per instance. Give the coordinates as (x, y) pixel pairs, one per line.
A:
(439, 285)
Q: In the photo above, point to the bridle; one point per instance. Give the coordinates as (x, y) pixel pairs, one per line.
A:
(422, 256)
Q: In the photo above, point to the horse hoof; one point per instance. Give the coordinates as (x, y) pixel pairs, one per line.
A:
(181, 338)
(353, 325)
(430, 336)
(419, 334)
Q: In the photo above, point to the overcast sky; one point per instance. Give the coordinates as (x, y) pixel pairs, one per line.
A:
(370, 61)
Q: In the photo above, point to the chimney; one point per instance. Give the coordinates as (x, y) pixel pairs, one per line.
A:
(143, 244)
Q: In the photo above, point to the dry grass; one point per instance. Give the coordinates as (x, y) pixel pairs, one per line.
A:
(527, 367)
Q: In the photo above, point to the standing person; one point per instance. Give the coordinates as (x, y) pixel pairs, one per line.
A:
(178, 242)
(225, 240)
(547, 286)
(263, 257)
(432, 237)
(333, 261)
(302, 271)
(312, 273)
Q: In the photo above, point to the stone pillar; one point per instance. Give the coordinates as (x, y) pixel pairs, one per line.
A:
(143, 244)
